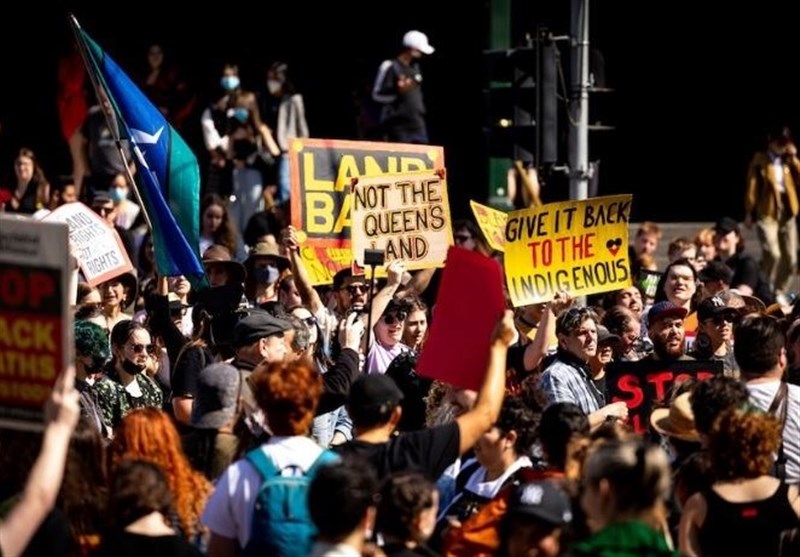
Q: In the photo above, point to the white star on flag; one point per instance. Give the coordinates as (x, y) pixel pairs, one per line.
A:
(139, 137)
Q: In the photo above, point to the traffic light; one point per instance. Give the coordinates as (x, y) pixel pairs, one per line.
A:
(521, 103)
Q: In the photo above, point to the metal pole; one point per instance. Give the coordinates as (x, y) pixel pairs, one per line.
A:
(579, 101)
(111, 118)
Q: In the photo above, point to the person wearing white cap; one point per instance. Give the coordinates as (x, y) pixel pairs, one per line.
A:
(398, 89)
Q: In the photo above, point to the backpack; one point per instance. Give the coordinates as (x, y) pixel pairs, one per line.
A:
(282, 524)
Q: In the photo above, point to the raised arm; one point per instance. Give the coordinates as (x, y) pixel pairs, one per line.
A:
(44, 481)
(308, 295)
(482, 416)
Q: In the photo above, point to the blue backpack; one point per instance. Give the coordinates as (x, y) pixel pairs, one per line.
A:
(282, 524)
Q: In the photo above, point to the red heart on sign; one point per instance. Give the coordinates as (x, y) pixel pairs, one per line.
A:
(614, 245)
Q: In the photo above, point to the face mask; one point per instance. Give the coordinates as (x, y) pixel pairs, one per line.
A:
(274, 85)
(132, 367)
(229, 82)
(118, 194)
(241, 114)
(267, 275)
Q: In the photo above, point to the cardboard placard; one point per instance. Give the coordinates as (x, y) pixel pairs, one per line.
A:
(577, 246)
(321, 171)
(407, 216)
(35, 321)
(644, 384)
(96, 245)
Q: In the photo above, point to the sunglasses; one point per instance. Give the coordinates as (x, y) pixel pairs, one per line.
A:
(102, 210)
(724, 318)
(461, 238)
(139, 348)
(392, 318)
(353, 288)
(310, 321)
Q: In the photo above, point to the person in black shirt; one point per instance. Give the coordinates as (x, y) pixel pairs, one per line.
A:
(374, 407)
(398, 88)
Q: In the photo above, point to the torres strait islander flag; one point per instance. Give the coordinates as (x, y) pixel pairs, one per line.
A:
(166, 166)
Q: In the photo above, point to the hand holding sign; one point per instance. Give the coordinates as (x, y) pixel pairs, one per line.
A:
(394, 272)
(505, 331)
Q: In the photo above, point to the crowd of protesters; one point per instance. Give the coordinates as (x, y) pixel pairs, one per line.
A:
(182, 405)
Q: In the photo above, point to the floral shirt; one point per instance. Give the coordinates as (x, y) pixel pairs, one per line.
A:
(115, 400)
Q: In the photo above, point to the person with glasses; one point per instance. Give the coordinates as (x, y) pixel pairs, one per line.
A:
(103, 205)
(568, 378)
(716, 323)
(127, 383)
(387, 344)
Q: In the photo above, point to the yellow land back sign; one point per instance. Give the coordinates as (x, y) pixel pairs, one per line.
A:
(577, 246)
(405, 215)
(492, 223)
(321, 172)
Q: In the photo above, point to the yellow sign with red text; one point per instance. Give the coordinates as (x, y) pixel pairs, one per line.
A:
(577, 246)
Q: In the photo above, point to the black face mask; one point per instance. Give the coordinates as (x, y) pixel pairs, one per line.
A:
(132, 367)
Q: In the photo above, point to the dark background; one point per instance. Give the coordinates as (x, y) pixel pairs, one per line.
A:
(695, 87)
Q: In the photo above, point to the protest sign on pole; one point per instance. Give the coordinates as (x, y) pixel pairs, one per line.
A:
(577, 246)
(407, 216)
(321, 171)
(96, 245)
(35, 321)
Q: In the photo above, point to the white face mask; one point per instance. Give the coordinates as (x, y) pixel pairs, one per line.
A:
(274, 85)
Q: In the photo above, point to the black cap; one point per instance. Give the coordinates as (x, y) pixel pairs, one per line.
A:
(543, 500)
(604, 336)
(716, 270)
(374, 390)
(726, 225)
(258, 324)
(712, 306)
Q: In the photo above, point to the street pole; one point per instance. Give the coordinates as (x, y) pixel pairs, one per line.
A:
(579, 101)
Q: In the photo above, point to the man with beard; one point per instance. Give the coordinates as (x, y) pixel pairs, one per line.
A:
(666, 331)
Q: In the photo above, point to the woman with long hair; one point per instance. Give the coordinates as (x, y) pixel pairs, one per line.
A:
(148, 434)
(84, 491)
(216, 227)
(31, 191)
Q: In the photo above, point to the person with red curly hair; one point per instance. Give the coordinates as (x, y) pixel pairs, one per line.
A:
(149, 434)
(288, 395)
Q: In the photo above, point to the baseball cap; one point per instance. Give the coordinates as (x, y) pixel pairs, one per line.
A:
(543, 500)
(374, 390)
(726, 225)
(712, 306)
(419, 41)
(663, 310)
(258, 324)
(716, 270)
(216, 398)
(604, 336)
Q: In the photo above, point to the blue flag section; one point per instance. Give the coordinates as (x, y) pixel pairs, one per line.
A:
(166, 166)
